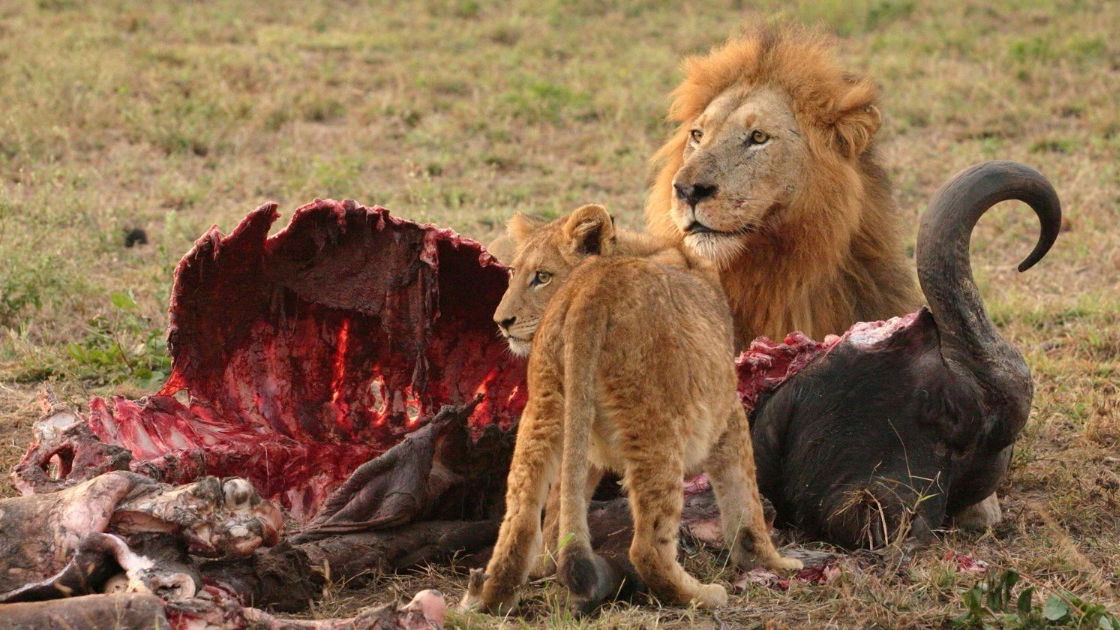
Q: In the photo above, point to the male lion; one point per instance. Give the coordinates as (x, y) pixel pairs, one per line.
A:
(631, 369)
(772, 175)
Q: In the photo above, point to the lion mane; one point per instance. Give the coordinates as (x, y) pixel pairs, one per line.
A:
(839, 256)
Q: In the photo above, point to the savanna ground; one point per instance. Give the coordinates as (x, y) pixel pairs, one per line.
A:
(172, 116)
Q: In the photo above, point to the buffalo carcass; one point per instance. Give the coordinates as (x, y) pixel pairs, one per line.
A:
(901, 424)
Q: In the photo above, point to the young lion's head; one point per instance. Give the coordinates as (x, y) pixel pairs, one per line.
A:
(767, 122)
(545, 254)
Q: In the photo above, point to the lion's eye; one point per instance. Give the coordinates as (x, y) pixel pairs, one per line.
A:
(541, 278)
(696, 134)
(758, 137)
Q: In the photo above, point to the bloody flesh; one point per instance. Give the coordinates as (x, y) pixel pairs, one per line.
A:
(309, 352)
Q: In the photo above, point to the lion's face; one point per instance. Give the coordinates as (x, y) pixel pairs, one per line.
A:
(744, 160)
(536, 272)
(545, 255)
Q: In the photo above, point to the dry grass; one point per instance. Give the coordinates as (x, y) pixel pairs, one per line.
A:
(171, 116)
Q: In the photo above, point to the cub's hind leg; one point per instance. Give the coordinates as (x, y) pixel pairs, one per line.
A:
(656, 500)
(730, 468)
(536, 457)
(546, 561)
(588, 577)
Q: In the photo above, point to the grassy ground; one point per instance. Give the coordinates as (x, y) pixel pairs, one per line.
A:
(171, 116)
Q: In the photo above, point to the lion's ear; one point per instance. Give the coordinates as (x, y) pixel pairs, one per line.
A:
(590, 230)
(521, 225)
(857, 119)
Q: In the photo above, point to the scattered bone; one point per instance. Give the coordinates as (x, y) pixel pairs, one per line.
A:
(64, 452)
(215, 609)
(820, 568)
(104, 563)
(61, 540)
(89, 612)
(215, 517)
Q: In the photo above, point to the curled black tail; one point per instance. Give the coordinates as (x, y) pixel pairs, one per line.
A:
(944, 269)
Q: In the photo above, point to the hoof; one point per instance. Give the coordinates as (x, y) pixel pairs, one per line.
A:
(981, 515)
(786, 564)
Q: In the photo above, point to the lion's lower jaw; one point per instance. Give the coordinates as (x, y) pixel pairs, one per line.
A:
(519, 347)
(720, 250)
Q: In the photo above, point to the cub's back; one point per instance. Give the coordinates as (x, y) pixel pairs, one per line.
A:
(667, 332)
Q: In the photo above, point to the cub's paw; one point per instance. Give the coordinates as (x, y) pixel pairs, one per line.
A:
(710, 596)
(472, 599)
(589, 577)
(478, 599)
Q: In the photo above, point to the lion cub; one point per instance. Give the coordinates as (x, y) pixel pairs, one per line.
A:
(631, 370)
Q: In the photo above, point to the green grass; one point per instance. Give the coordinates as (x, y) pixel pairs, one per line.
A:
(172, 116)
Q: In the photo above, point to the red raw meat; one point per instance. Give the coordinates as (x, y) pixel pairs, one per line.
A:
(966, 563)
(311, 351)
(764, 364)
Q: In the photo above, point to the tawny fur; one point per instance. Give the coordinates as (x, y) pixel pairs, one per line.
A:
(631, 370)
(824, 248)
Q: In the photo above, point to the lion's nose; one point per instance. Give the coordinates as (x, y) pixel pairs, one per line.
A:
(504, 324)
(694, 193)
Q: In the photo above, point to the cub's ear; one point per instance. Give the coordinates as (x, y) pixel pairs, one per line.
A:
(503, 248)
(590, 230)
(521, 225)
(856, 119)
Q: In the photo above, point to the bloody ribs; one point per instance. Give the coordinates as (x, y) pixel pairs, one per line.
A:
(309, 352)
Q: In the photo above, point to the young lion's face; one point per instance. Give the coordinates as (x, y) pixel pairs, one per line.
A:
(743, 162)
(546, 253)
